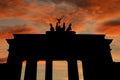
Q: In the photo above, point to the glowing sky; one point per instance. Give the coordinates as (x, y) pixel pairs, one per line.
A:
(34, 16)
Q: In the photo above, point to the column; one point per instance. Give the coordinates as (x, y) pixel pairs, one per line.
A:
(48, 72)
(91, 70)
(14, 71)
(14, 63)
(31, 70)
(72, 70)
(87, 71)
(18, 70)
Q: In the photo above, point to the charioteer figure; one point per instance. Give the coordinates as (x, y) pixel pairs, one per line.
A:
(58, 26)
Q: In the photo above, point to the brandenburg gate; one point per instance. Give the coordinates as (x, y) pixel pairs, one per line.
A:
(59, 44)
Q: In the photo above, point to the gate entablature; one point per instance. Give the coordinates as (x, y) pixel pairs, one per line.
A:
(43, 45)
(62, 45)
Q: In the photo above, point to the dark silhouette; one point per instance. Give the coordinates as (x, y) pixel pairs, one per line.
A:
(92, 50)
(69, 27)
(51, 27)
(59, 20)
(63, 28)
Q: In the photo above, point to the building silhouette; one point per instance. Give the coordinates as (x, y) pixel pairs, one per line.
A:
(60, 44)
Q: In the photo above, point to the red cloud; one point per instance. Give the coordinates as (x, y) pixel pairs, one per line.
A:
(110, 27)
(25, 29)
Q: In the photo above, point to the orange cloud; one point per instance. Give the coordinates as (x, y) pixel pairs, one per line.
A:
(46, 11)
(11, 4)
(25, 29)
(11, 8)
(110, 27)
(75, 11)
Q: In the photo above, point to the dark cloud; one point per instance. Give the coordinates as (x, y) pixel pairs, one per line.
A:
(79, 3)
(11, 3)
(113, 23)
(110, 27)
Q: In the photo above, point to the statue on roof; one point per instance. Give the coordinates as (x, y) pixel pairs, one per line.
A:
(58, 26)
(59, 20)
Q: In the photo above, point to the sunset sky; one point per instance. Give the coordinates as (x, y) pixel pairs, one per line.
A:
(34, 16)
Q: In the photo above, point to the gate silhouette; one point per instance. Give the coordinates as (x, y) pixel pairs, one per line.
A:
(92, 49)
